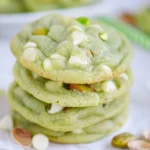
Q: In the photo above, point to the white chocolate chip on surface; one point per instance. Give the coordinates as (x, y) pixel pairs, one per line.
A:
(30, 45)
(47, 64)
(55, 109)
(107, 69)
(6, 122)
(57, 56)
(78, 131)
(123, 76)
(30, 54)
(77, 60)
(40, 142)
(78, 37)
(74, 27)
(109, 86)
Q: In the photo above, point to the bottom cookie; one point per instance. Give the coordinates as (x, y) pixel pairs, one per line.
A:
(88, 134)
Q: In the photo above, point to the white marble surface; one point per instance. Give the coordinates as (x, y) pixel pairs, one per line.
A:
(139, 119)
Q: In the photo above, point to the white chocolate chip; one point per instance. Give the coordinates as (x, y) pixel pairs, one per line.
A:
(78, 37)
(77, 60)
(30, 45)
(74, 27)
(55, 109)
(30, 54)
(109, 86)
(107, 70)
(78, 131)
(40, 142)
(47, 64)
(123, 76)
(57, 56)
(6, 122)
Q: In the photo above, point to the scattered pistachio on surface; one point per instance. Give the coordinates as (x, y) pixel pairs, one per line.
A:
(146, 135)
(22, 137)
(138, 145)
(122, 140)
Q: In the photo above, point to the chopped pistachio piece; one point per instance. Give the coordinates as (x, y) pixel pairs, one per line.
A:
(30, 54)
(40, 31)
(81, 87)
(47, 64)
(122, 140)
(83, 20)
(103, 36)
(55, 109)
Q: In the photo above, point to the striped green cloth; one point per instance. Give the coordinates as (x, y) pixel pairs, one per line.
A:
(132, 33)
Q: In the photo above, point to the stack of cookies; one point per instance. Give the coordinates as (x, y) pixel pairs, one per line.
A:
(72, 78)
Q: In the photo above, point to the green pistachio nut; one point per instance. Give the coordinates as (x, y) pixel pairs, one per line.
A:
(122, 140)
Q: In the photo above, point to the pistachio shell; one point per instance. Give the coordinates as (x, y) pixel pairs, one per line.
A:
(139, 145)
(22, 137)
(146, 135)
(121, 140)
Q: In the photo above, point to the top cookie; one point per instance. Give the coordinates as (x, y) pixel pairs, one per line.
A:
(72, 50)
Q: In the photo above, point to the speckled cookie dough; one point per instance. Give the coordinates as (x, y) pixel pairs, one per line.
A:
(88, 134)
(72, 50)
(65, 119)
(71, 95)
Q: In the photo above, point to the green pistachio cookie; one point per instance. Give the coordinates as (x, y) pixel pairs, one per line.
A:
(87, 134)
(11, 6)
(59, 118)
(71, 95)
(142, 20)
(72, 50)
(40, 5)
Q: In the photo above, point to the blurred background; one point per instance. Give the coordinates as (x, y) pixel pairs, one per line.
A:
(134, 14)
